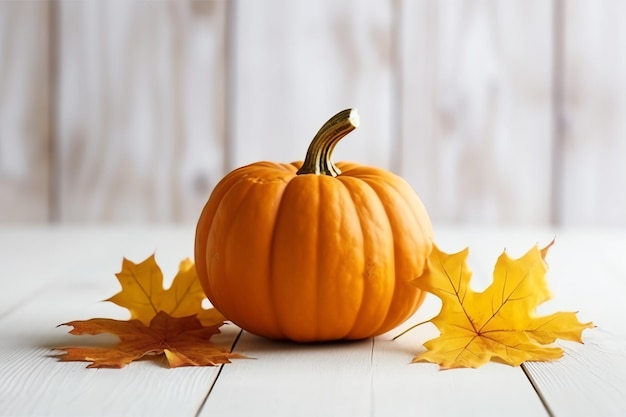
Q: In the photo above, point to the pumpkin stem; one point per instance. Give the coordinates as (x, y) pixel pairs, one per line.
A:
(318, 155)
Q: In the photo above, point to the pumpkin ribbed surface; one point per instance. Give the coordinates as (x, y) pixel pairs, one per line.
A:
(311, 257)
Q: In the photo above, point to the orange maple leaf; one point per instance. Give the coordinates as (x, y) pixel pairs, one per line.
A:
(183, 340)
(499, 322)
(144, 296)
(170, 322)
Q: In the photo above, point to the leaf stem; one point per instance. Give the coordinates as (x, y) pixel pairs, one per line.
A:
(411, 328)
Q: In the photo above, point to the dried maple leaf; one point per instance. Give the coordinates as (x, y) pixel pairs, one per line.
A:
(170, 322)
(498, 323)
(183, 340)
(144, 296)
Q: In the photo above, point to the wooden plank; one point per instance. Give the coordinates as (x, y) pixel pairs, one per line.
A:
(141, 109)
(590, 379)
(476, 109)
(287, 379)
(370, 377)
(296, 64)
(33, 383)
(593, 148)
(404, 389)
(24, 111)
(35, 259)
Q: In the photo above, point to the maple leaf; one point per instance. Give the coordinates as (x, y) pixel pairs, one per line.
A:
(144, 296)
(498, 323)
(170, 322)
(183, 340)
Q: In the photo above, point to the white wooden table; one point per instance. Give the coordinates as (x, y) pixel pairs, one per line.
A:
(50, 276)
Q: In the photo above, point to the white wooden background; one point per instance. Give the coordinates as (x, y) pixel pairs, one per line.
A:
(497, 112)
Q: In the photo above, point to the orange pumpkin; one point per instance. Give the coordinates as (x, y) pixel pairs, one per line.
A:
(313, 251)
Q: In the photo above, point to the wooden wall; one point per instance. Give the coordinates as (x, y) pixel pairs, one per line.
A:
(497, 112)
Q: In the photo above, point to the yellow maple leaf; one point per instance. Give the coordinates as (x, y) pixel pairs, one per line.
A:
(183, 340)
(144, 296)
(498, 323)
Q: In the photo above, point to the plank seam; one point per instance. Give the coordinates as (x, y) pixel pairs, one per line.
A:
(219, 373)
(372, 385)
(397, 97)
(53, 215)
(558, 128)
(543, 400)
(230, 82)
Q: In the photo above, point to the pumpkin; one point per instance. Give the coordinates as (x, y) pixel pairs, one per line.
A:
(312, 251)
